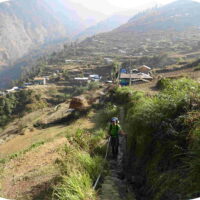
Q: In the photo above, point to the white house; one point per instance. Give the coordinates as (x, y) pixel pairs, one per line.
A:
(108, 60)
(12, 90)
(94, 77)
(40, 81)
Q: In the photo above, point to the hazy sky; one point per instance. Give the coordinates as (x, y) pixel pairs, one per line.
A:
(110, 6)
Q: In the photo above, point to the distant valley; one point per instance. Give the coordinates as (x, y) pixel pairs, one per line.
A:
(26, 26)
(107, 25)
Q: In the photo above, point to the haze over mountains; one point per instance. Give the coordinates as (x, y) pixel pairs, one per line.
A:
(108, 24)
(170, 28)
(179, 15)
(27, 24)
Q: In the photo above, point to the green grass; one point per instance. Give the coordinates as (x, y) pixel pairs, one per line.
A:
(197, 68)
(79, 166)
(164, 137)
(75, 186)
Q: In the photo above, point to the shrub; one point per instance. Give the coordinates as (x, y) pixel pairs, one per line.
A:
(93, 85)
(104, 116)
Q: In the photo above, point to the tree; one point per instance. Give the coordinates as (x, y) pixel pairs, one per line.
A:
(115, 71)
(65, 74)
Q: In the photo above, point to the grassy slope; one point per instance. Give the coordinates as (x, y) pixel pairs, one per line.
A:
(36, 167)
(163, 130)
(29, 169)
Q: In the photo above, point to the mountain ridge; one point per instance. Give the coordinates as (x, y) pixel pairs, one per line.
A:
(106, 25)
(177, 15)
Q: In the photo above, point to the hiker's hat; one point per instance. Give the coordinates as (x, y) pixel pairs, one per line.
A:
(114, 119)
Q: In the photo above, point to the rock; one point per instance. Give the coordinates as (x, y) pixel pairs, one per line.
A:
(78, 103)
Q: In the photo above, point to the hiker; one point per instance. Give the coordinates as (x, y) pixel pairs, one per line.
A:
(114, 131)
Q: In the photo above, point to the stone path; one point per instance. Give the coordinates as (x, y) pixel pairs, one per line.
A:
(114, 186)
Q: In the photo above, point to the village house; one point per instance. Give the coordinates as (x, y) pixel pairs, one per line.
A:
(2, 93)
(122, 51)
(73, 61)
(108, 60)
(12, 90)
(127, 79)
(94, 77)
(81, 81)
(40, 81)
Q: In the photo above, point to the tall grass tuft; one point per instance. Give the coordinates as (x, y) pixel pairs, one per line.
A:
(79, 166)
(76, 186)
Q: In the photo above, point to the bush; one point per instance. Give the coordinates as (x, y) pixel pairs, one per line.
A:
(18, 103)
(93, 85)
(104, 116)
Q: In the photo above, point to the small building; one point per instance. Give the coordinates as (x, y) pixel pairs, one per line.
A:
(12, 90)
(144, 69)
(126, 79)
(2, 93)
(73, 61)
(69, 61)
(122, 51)
(81, 81)
(40, 81)
(108, 60)
(94, 77)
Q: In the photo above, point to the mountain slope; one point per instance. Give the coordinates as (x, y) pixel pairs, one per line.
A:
(179, 15)
(28, 24)
(106, 25)
(167, 29)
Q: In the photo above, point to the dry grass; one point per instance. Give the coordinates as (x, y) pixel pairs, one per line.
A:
(36, 167)
(31, 169)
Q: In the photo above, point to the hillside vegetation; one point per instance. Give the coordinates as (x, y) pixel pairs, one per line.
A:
(64, 154)
(53, 163)
(163, 139)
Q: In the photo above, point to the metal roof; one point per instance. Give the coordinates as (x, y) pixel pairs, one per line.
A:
(135, 76)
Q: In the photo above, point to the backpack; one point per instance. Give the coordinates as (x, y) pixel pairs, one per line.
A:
(116, 131)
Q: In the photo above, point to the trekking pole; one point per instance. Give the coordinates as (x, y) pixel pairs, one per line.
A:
(108, 145)
(106, 155)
